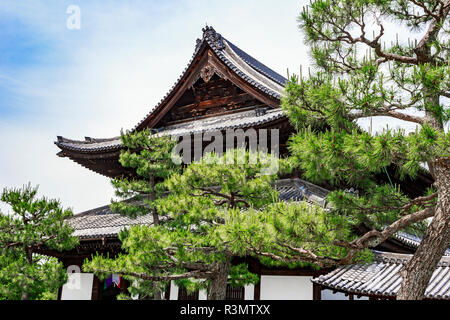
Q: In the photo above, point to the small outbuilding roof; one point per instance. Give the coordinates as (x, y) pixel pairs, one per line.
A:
(382, 277)
(412, 241)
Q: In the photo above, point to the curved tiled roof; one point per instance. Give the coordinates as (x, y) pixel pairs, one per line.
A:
(258, 66)
(223, 122)
(412, 241)
(382, 277)
(245, 66)
(269, 81)
(102, 222)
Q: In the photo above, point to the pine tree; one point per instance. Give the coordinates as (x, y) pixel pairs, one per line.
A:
(148, 160)
(189, 245)
(358, 75)
(32, 225)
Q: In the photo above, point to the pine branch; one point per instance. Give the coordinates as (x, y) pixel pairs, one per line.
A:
(425, 8)
(375, 237)
(190, 274)
(422, 49)
(388, 113)
(405, 117)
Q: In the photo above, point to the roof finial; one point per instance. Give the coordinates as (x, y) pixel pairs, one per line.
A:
(206, 28)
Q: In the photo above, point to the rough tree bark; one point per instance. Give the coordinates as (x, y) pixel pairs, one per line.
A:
(152, 198)
(418, 271)
(435, 241)
(29, 257)
(218, 285)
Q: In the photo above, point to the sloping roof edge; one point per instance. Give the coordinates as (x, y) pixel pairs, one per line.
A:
(245, 66)
(382, 277)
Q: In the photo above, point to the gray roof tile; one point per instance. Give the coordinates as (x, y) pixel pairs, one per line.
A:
(382, 277)
(247, 67)
(228, 121)
(102, 222)
(412, 240)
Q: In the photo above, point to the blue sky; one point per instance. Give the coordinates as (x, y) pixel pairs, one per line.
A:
(109, 74)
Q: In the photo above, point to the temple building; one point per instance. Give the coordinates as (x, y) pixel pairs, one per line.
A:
(224, 88)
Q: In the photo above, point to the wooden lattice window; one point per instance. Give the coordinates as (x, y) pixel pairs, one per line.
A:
(235, 293)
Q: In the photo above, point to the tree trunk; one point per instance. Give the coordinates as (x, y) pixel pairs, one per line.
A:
(218, 286)
(417, 273)
(158, 294)
(29, 257)
(152, 198)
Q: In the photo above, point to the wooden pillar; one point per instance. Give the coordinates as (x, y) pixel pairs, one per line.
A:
(257, 290)
(59, 293)
(96, 293)
(124, 286)
(167, 292)
(317, 291)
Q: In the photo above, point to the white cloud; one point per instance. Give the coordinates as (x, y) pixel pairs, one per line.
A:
(110, 73)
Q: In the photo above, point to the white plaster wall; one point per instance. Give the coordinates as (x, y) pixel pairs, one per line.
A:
(78, 287)
(203, 295)
(173, 291)
(249, 292)
(286, 288)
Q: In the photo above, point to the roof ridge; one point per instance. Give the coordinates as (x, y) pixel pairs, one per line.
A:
(87, 140)
(391, 257)
(217, 44)
(257, 65)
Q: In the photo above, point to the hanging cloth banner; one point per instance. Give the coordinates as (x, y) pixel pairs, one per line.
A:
(116, 279)
(113, 279)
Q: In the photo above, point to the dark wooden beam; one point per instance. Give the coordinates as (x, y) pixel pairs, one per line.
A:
(217, 102)
(154, 118)
(59, 293)
(257, 290)
(317, 291)
(167, 292)
(96, 289)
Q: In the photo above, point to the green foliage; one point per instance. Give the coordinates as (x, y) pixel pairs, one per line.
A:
(149, 160)
(354, 158)
(187, 243)
(359, 74)
(241, 276)
(21, 280)
(282, 232)
(376, 208)
(32, 225)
